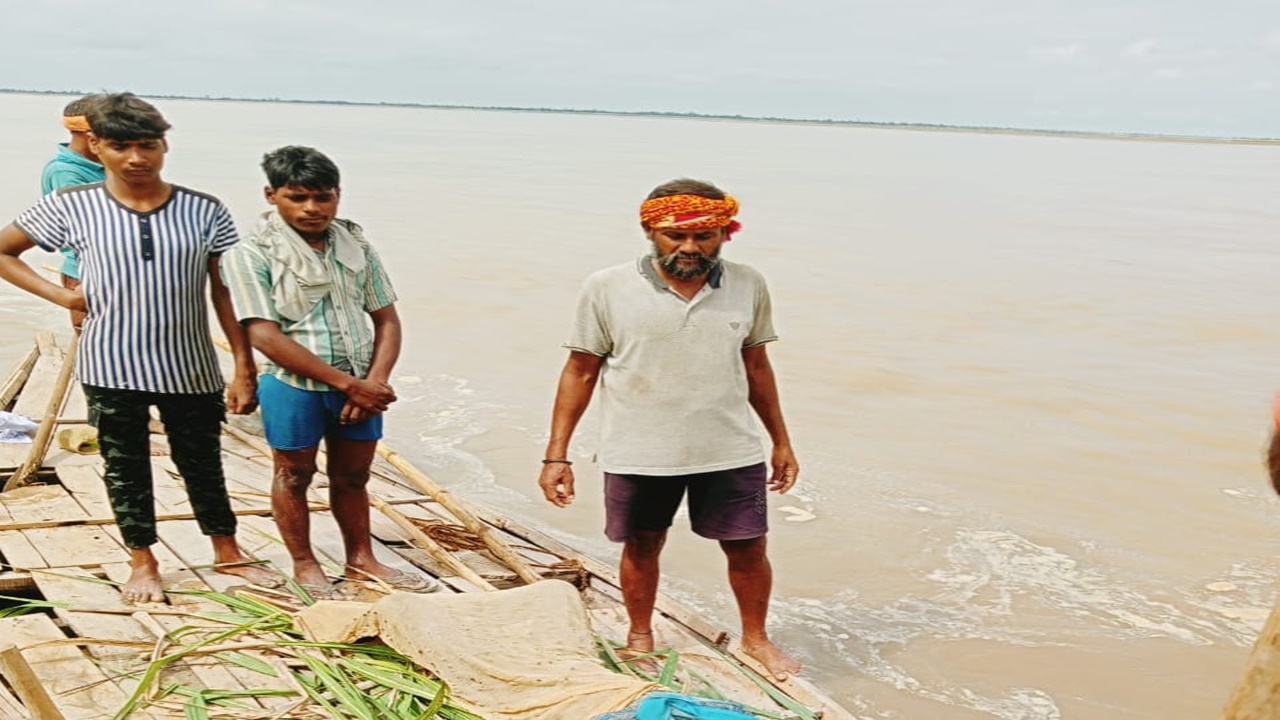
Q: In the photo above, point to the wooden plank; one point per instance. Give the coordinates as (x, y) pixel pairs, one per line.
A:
(85, 485)
(77, 546)
(80, 593)
(79, 688)
(18, 673)
(10, 706)
(39, 388)
(80, 589)
(41, 502)
(16, 550)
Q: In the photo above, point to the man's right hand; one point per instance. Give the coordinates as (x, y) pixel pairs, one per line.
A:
(556, 482)
(370, 395)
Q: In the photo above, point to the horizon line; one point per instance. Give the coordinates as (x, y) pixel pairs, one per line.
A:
(872, 124)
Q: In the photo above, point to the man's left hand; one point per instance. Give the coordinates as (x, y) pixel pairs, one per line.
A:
(242, 395)
(353, 413)
(786, 470)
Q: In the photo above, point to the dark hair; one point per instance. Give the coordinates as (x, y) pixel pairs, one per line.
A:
(302, 166)
(125, 116)
(81, 106)
(687, 186)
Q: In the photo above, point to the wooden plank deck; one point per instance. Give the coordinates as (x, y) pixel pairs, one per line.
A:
(58, 540)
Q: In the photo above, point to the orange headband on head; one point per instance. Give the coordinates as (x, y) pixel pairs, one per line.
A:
(1275, 413)
(76, 123)
(690, 212)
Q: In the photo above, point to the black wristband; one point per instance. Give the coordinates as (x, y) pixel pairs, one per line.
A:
(560, 461)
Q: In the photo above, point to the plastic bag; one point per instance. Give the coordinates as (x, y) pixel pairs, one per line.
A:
(671, 706)
(16, 428)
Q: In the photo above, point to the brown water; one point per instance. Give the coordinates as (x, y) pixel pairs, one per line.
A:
(1028, 377)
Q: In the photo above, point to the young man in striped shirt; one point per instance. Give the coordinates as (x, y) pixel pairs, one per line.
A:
(319, 305)
(148, 250)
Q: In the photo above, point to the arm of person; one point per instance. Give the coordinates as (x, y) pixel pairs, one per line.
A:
(14, 242)
(241, 391)
(267, 338)
(387, 336)
(762, 393)
(573, 394)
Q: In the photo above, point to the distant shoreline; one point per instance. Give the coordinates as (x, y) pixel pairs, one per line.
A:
(917, 127)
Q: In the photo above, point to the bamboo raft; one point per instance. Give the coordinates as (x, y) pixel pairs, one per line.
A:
(87, 654)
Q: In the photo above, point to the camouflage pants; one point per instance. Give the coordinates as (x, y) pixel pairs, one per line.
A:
(194, 426)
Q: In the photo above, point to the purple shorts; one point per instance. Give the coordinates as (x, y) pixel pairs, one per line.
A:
(723, 505)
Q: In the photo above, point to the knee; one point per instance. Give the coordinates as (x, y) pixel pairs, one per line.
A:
(645, 545)
(745, 554)
(348, 480)
(294, 478)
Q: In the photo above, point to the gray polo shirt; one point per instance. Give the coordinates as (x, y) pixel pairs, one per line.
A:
(673, 385)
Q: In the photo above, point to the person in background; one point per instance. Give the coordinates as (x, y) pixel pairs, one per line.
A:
(74, 163)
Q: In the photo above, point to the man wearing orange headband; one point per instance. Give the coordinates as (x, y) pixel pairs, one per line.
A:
(74, 164)
(676, 343)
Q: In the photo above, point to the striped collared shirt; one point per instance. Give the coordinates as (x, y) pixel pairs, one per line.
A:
(144, 277)
(337, 329)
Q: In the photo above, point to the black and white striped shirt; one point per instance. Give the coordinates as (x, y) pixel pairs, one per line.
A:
(144, 277)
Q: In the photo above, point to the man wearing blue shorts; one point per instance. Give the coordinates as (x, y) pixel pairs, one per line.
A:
(676, 343)
(318, 304)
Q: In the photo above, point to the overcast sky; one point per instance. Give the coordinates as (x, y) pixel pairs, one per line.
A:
(1163, 66)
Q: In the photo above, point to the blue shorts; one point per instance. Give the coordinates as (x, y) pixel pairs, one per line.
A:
(295, 419)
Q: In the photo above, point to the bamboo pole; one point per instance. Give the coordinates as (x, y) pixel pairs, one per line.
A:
(1257, 696)
(13, 384)
(433, 548)
(462, 512)
(44, 434)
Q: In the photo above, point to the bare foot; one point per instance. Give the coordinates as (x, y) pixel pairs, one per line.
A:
(252, 572)
(639, 644)
(383, 577)
(777, 662)
(229, 560)
(143, 584)
(310, 574)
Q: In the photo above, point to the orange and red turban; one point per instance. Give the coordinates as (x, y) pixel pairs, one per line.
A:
(690, 212)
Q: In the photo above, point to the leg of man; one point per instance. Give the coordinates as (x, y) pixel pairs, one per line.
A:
(348, 467)
(294, 470)
(195, 439)
(638, 573)
(731, 506)
(638, 512)
(294, 421)
(751, 577)
(121, 419)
